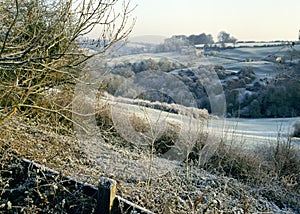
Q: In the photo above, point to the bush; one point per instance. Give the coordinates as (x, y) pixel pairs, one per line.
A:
(199, 144)
(138, 123)
(234, 161)
(284, 158)
(104, 117)
(272, 170)
(168, 139)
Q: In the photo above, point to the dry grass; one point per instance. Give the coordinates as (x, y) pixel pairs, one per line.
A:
(139, 123)
(274, 170)
(104, 117)
(167, 139)
(278, 163)
(271, 173)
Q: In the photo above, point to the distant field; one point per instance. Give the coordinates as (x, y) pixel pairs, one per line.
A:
(258, 131)
(249, 132)
(261, 58)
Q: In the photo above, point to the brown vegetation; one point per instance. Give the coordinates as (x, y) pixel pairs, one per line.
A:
(40, 49)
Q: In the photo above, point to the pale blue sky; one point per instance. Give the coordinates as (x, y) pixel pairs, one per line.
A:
(259, 20)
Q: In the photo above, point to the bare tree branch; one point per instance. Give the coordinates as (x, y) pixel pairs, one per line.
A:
(10, 27)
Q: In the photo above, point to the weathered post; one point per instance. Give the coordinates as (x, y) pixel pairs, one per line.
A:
(106, 194)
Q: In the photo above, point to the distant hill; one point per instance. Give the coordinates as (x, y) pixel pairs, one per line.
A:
(254, 82)
(149, 39)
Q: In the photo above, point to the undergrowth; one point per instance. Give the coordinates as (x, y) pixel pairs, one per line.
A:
(272, 171)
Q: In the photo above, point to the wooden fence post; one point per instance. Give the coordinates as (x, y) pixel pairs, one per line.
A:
(106, 194)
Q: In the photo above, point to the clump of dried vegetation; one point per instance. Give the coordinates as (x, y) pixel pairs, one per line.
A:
(272, 170)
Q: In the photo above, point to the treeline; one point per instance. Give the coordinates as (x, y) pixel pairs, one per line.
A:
(127, 69)
(183, 42)
(281, 98)
(203, 38)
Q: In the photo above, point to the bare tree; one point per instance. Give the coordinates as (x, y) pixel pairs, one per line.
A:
(224, 37)
(40, 49)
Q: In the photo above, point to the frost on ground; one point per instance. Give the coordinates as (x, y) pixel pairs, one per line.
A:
(169, 191)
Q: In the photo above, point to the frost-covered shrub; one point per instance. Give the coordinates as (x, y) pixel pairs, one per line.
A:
(139, 123)
(168, 138)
